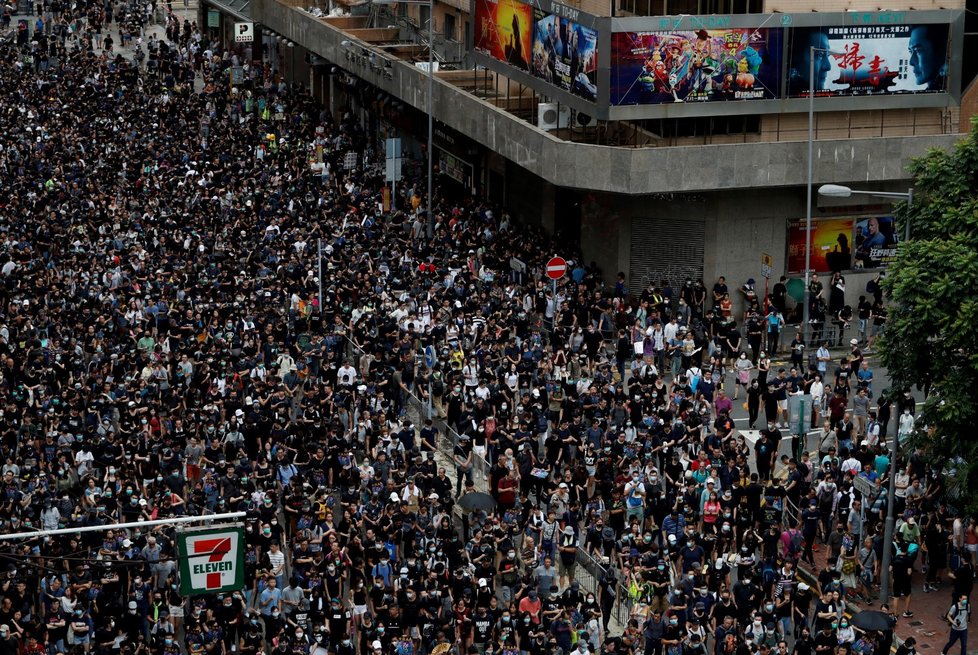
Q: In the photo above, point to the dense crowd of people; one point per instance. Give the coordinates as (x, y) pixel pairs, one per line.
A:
(165, 352)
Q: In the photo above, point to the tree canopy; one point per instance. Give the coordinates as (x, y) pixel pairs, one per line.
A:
(931, 337)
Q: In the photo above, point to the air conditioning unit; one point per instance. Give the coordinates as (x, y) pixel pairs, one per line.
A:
(552, 116)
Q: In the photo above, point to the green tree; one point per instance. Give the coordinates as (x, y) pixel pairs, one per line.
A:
(931, 338)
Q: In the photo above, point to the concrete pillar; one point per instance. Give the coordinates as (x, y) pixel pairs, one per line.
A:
(548, 193)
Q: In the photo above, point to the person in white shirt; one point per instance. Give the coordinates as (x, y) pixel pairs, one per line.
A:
(470, 372)
(851, 465)
(346, 375)
(635, 497)
(817, 391)
(83, 461)
(902, 482)
(411, 495)
(276, 562)
(670, 330)
(906, 424)
(872, 431)
(482, 391)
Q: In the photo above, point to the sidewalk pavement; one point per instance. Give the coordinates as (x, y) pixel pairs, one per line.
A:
(926, 625)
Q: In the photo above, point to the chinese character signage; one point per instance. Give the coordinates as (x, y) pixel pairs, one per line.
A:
(831, 245)
(869, 60)
(455, 168)
(695, 66)
(211, 560)
(504, 31)
(840, 244)
(706, 59)
(565, 54)
(876, 242)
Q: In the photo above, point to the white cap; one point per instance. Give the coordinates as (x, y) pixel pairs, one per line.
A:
(395, 498)
(483, 582)
(126, 543)
(376, 645)
(854, 342)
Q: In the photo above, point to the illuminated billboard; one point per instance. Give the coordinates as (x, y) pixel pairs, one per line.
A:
(869, 60)
(695, 66)
(504, 31)
(840, 244)
(875, 240)
(565, 54)
(685, 66)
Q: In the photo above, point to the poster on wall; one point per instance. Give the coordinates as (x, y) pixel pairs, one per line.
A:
(695, 66)
(504, 31)
(875, 240)
(831, 245)
(565, 54)
(869, 60)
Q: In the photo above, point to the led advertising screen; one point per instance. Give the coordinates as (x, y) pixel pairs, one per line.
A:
(504, 31)
(565, 54)
(875, 240)
(695, 66)
(869, 60)
(831, 245)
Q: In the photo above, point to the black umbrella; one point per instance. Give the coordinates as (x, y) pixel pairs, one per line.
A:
(873, 620)
(475, 500)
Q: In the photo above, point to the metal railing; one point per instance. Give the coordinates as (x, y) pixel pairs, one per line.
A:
(621, 608)
(590, 570)
(418, 410)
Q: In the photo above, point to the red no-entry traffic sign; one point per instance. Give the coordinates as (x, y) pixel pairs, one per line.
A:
(556, 268)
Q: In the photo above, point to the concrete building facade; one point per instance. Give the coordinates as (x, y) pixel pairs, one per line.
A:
(670, 195)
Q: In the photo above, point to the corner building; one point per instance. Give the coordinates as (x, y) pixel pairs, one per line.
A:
(669, 137)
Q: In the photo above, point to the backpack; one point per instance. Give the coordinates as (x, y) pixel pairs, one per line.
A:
(825, 500)
(795, 542)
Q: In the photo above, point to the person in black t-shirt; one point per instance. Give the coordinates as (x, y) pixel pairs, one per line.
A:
(825, 640)
(801, 603)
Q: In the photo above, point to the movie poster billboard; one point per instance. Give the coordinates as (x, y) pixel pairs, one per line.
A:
(831, 245)
(565, 54)
(875, 240)
(695, 66)
(869, 60)
(504, 31)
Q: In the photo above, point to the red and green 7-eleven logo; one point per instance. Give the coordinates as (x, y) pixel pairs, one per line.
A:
(212, 561)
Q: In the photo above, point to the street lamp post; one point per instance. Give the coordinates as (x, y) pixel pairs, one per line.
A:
(805, 327)
(431, 112)
(839, 191)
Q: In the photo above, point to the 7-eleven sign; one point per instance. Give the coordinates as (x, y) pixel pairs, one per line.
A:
(211, 560)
